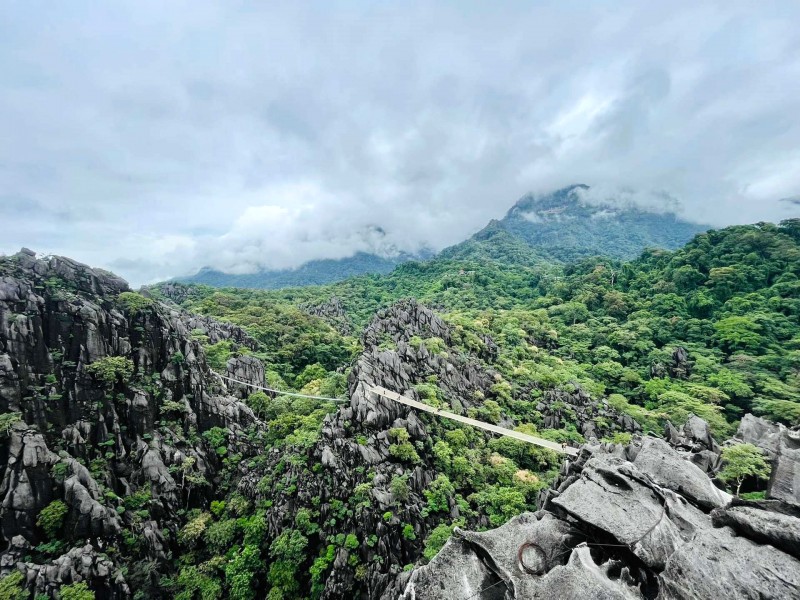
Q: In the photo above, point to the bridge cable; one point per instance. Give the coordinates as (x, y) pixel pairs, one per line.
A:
(281, 392)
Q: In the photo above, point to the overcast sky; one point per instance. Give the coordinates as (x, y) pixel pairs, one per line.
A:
(153, 138)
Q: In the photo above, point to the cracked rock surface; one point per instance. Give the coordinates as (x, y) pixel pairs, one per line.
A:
(642, 521)
(89, 445)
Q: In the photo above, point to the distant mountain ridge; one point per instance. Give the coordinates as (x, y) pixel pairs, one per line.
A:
(315, 272)
(565, 226)
(562, 226)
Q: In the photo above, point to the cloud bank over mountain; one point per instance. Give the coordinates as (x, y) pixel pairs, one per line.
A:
(156, 138)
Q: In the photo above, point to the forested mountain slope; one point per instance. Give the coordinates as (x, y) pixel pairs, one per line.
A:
(729, 298)
(567, 225)
(116, 429)
(315, 272)
(561, 226)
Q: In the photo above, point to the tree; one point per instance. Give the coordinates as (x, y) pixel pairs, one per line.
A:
(571, 312)
(738, 333)
(259, 402)
(240, 573)
(437, 538)
(192, 582)
(742, 461)
(133, 302)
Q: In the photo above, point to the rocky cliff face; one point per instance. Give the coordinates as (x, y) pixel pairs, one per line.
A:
(333, 312)
(112, 448)
(115, 408)
(642, 521)
(783, 447)
(114, 433)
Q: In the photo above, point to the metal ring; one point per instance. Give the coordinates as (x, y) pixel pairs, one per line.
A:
(539, 550)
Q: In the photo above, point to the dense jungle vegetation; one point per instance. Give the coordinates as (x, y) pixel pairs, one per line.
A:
(731, 298)
(711, 329)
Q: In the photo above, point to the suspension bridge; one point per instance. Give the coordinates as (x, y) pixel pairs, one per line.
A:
(395, 397)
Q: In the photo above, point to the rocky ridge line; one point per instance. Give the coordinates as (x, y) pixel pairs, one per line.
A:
(642, 521)
(57, 317)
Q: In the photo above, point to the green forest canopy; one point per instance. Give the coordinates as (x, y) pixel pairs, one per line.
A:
(730, 297)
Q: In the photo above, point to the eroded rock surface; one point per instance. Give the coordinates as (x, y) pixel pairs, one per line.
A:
(636, 522)
(783, 446)
(86, 445)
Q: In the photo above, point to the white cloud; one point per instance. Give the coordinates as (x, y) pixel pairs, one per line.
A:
(157, 138)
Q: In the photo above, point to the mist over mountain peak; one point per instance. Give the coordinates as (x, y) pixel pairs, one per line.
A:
(580, 201)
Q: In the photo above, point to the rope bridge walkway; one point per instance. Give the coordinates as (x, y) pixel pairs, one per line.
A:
(381, 391)
(523, 437)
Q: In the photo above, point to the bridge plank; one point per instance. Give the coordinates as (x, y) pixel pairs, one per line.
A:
(524, 437)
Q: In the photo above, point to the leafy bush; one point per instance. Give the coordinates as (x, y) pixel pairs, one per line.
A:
(438, 538)
(404, 452)
(7, 421)
(133, 302)
(318, 569)
(111, 369)
(438, 494)
(194, 529)
(76, 591)
(51, 518)
(12, 587)
(408, 532)
(500, 503)
(220, 535)
(399, 488)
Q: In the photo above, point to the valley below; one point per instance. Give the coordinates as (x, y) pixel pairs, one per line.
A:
(147, 449)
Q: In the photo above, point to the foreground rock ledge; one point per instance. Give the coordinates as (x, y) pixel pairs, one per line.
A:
(635, 522)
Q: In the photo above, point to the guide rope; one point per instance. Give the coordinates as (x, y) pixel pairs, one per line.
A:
(488, 587)
(281, 392)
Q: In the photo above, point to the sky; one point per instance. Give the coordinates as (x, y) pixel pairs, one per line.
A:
(154, 138)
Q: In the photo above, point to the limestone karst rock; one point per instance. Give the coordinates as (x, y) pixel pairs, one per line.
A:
(783, 447)
(57, 317)
(634, 531)
(130, 453)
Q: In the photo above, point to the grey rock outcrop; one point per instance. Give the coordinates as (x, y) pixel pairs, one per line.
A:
(333, 313)
(522, 559)
(782, 445)
(762, 526)
(695, 441)
(594, 418)
(718, 564)
(79, 564)
(26, 487)
(668, 469)
(139, 433)
(90, 518)
(218, 331)
(245, 369)
(638, 526)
